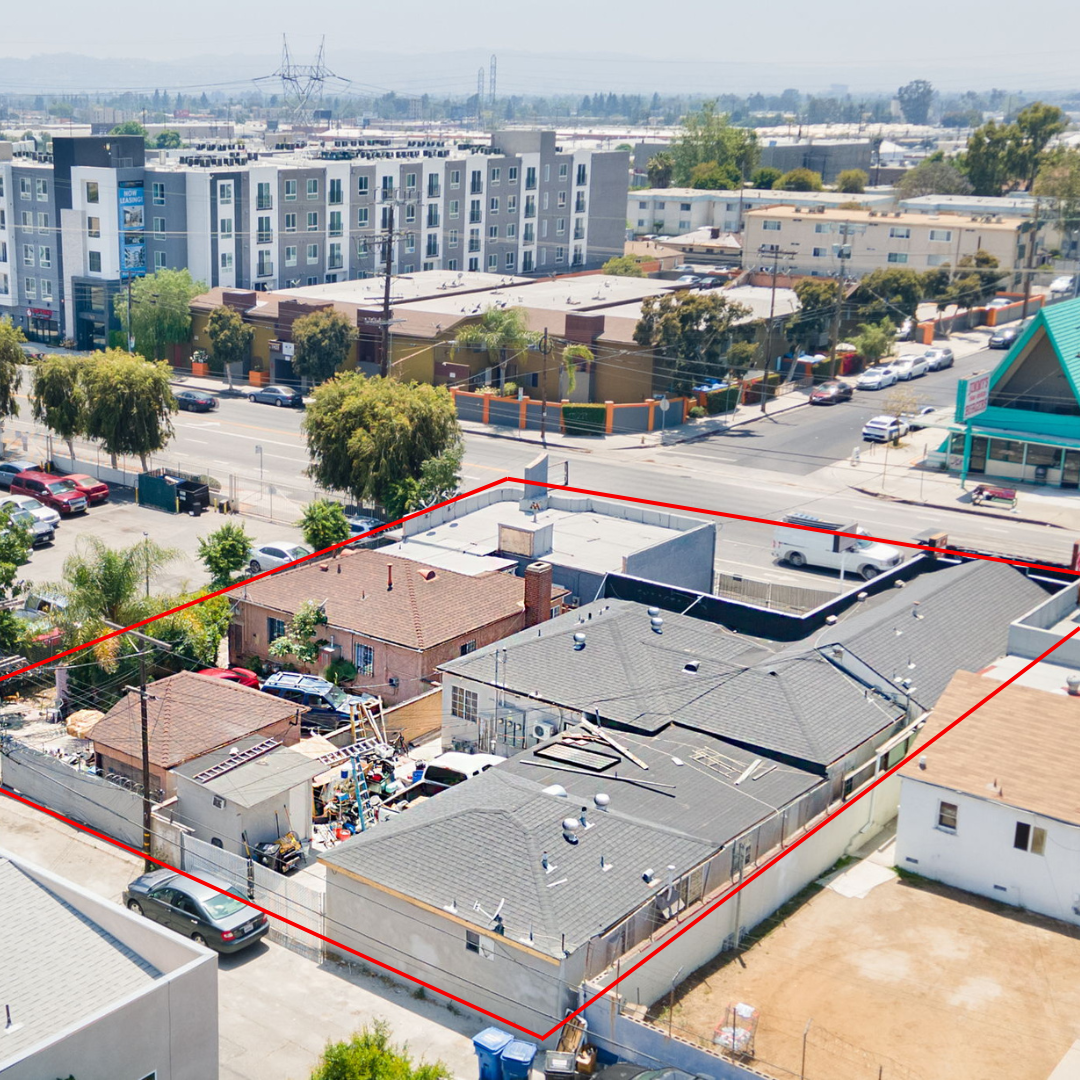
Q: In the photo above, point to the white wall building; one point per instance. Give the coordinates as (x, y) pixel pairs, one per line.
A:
(993, 807)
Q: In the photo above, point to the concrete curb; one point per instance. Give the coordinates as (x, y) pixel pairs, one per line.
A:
(954, 509)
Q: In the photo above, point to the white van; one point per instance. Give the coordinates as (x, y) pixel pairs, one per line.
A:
(848, 554)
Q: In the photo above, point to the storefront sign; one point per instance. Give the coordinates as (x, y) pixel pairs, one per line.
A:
(976, 396)
(41, 313)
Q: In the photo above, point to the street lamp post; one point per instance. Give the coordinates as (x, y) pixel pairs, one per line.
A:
(259, 451)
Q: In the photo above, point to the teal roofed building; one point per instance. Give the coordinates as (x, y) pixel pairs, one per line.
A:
(1027, 427)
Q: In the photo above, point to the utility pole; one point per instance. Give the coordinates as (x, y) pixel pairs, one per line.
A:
(1030, 260)
(130, 328)
(388, 245)
(776, 253)
(545, 349)
(842, 251)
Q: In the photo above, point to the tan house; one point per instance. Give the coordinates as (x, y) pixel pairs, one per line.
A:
(188, 715)
(877, 239)
(397, 620)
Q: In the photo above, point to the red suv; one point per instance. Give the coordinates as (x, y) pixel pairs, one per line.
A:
(50, 489)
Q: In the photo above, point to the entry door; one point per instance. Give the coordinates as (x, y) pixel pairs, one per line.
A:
(1070, 469)
(977, 462)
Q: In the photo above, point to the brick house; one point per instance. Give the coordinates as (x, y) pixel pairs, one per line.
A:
(396, 619)
(188, 715)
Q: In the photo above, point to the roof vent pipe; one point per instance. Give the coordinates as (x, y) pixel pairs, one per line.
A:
(602, 800)
(1073, 684)
(389, 577)
(571, 827)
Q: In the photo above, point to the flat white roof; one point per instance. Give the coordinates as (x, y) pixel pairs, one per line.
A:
(404, 287)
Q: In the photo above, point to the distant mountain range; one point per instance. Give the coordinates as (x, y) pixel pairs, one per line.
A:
(454, 74)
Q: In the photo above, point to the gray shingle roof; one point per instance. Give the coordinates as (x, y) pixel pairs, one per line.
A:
(59, 967)
(798, 706)
(257, 780)
(964, 612)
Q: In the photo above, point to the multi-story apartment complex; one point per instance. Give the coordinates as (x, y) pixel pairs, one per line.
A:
(872, 239)
(292, 218)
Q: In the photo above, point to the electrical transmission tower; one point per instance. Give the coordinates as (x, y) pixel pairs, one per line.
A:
(479, 93)
(302, 85)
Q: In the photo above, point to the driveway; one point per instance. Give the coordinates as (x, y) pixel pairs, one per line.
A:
(277, 1010)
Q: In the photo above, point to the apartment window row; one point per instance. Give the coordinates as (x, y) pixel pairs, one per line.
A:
(39, 189)
(42, 257)
(1026, 837)
(31, 287)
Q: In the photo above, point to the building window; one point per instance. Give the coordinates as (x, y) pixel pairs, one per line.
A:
(313, 253)
(42, 189)
(820, 253)
(93, 193)
(334, 259)
(493, 232)
(226, 259)
(511, 231)
(472, 941)
(493, 264)
(1029, 838)
(560, 255)
(336, 227)
(313, 189)
(467, 647)
(159, 227)
(313, 221)
(823, 227)
(455, 178)
(464, 704)
(476, 183)
(560, 226)
(362, 185)
(159, 260)
(225, 193)
(26, 219)
(25, 190)
(946, 816)
(564, 171)
(526, 268)
(433, 185)
(941, 235)
(290, 189)
(43, 223)
(94, 262)
(266, 264)
(474, 265)
(290, 223)
(361, 248)
(496, 175)
(30, 288)
(684, 226)
(275, 628)
(290, 255)
(900, 232)
(452, 238)
(511, 259)
(451, 264)
(362, 217)
(767, 226)
(365, 660)
(263, 199)
(432, 251)
(512, 174)
(28, 254)
(410, 214)
(225, 227)
(494, 206)
(560, 201)
(454, 209)
(410, 243)
(1006, 450)
(474, 210)
(335, 194)
(684, 207)
(582, 176)
(897, 257)
(433, 216)
(530, 178)
(93, 227)
(410, 181)
(511, 204)
(935, 260)
(264, 233)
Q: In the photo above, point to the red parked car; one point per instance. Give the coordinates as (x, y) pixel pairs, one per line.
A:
(96, 491)
(52, 490)
(234, 674)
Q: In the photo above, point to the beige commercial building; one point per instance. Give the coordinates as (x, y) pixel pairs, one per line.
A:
(808, 239)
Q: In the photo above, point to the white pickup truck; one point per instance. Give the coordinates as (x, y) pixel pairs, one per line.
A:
(802, 547)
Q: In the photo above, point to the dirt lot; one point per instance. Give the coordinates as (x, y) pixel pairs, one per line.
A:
(919, 980)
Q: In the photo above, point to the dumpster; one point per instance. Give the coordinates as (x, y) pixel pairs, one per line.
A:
(559, 1065)
(489, 1044)
(517, 1059)
(192, 497)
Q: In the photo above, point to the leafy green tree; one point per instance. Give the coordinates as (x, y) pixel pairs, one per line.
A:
(978, 278)
(195, 633)
(160, 310)
(367, 436)
(502, 333)
(623, 266)
(224, 552)
(129, 404)
(817, 301)
(11, 358)
(572, 355)
(852, 181)
(800, 180)
(370, 1055)
(15, 544)
(987, 161)
(230, 337)
(709, 135)
(323, 341)
(874, 340)
(892, 293)
(933, 178)
(1034, 127)
(129, 127)
(915, 101)
(168, 140)
(691, 332)
(661, 170)
(709, 176)
(765, 178)
(58, 399)
(1001, 156)
(1059, 183)
(299, 640)
(323, 523)
(438, 480)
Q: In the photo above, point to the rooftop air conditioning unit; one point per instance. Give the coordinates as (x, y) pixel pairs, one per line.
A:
(873, 213)
(573, 601)
(542, 729)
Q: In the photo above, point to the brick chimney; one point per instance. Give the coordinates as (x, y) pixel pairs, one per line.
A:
(537, 593)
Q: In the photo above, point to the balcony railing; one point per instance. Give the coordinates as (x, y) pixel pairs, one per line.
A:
(264, 202)
(474, 245)
(266, 269)
(335, 263)
(264, 238)
(474, 217)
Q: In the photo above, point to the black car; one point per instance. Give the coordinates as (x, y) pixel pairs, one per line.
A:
(197, 911)
(278, 395)
(829, 393)
(1005, 337)
(196, 401)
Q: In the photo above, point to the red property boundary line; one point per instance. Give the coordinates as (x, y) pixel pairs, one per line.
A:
(719, 902)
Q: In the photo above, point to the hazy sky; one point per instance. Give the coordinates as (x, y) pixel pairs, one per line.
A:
(947, 41)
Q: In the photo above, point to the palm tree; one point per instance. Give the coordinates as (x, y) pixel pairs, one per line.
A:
(572, 356)
(502, 333)
(661, 169)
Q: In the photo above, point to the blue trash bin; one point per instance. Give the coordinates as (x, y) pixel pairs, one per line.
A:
(517, 1059)
(489, 1045)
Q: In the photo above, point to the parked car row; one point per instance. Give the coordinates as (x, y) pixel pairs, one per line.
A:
(39, 499)
(905, 368)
